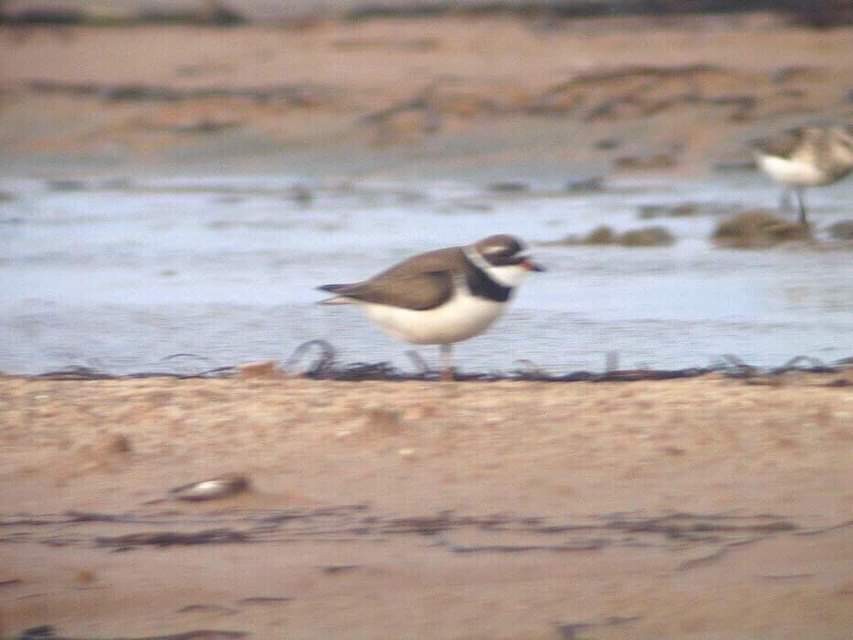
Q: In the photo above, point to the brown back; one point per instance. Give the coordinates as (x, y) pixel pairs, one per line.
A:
(422, 282)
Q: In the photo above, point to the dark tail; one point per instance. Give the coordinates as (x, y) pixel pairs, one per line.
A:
(337, 289)
(332, 288)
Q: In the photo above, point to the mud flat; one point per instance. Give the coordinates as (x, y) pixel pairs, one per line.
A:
(696, 508)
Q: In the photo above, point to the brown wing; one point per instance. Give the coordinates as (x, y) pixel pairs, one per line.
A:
(782, 145)
(419, 283)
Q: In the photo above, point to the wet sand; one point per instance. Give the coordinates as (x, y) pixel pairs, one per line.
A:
(418, 97)
(692, 509)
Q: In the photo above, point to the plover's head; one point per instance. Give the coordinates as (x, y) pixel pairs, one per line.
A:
(504, 259)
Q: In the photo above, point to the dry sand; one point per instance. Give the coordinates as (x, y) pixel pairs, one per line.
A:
(403, 510)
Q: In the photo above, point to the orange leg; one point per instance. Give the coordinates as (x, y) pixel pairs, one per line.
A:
(446, 362)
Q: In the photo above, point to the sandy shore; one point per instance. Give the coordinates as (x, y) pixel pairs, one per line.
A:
(700, 509)
(417, 97)
(471, 510)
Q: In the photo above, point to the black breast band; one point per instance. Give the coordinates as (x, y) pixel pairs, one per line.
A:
(482, 286)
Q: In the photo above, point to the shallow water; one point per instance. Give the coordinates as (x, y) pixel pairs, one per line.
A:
(120, 274)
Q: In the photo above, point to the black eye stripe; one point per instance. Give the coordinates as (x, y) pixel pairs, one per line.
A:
(503, 260)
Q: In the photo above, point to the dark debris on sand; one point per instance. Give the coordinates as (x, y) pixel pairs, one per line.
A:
(501, 532)
(49, 632)
(318, 360)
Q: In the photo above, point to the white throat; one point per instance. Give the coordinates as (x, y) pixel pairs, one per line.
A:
(510, 275)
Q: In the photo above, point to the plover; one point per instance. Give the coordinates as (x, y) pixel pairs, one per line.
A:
(443, 296)
(806, 157)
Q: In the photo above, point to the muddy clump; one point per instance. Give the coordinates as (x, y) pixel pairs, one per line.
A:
(604, 235)
(647, 162)
(509, 186)
(647, 237)
(594, 184)
(842, 231)
(758, 229)
(683, 210)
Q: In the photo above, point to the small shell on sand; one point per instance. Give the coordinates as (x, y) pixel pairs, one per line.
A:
(212, 489)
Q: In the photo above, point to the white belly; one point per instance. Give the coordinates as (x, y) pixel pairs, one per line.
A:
(462, 317)
(792, 172)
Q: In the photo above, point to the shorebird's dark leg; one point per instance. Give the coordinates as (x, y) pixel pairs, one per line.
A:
(785, 200)
(446, 361)
(801, 203)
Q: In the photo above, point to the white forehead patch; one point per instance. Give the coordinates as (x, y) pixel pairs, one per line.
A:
(496, 248)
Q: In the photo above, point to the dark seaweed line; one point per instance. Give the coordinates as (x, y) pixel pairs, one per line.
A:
(299, 94)
(674, 531)
(48, 632)
(324, 365)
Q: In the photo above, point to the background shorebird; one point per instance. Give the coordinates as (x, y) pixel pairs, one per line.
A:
(806, 157)
(443, 296)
